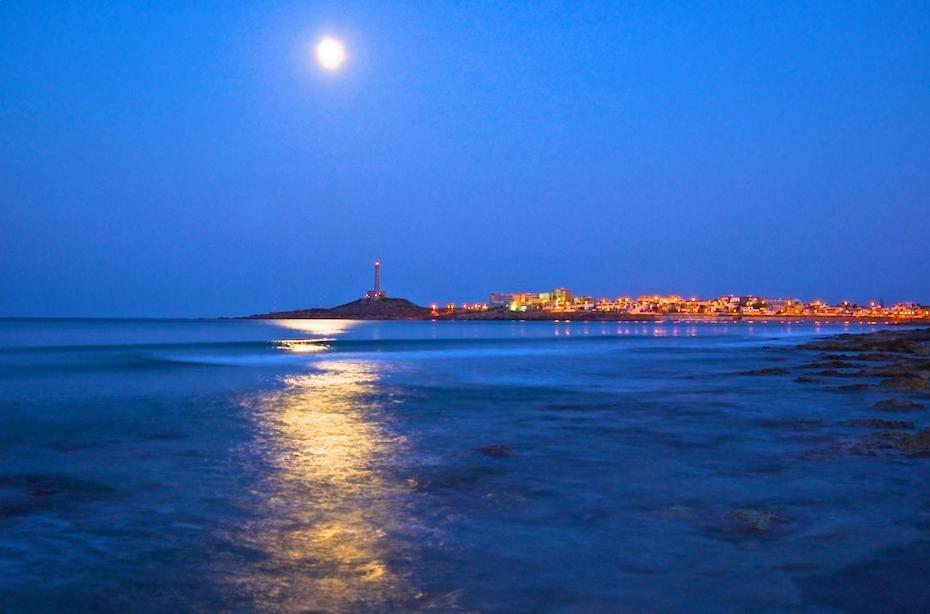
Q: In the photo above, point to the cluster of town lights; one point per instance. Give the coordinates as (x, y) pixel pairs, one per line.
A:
(562, 300)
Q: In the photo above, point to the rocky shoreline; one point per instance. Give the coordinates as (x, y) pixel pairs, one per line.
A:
(892, 363)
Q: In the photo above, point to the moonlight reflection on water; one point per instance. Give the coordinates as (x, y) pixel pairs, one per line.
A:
(329, 507)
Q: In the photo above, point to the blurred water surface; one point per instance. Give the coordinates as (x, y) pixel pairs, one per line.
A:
(510, 466)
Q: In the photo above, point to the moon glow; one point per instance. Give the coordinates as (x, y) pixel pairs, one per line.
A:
(330, 53)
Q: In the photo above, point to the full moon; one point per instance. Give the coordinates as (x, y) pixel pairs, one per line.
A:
(330, 53)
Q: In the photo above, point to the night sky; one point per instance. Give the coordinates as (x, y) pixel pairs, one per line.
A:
(192, 159)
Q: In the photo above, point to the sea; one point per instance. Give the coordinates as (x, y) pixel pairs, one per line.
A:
(350, 466)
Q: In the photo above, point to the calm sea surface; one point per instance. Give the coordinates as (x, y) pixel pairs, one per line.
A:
(505, 466)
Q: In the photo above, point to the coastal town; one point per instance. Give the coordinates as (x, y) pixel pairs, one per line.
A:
(563, 304)
(564, 301)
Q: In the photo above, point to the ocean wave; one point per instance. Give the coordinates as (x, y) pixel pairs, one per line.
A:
(230, 360)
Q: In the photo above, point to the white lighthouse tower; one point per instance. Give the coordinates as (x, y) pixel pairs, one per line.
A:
(377, 292)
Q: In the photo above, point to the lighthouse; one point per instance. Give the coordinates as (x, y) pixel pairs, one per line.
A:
(377, 292)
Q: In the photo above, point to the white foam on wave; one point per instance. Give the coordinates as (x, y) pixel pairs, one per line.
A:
(303, 346)
(292, 351)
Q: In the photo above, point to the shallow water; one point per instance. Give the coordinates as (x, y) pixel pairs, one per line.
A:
(152, 465)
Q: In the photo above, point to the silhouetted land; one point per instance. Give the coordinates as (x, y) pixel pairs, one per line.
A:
(362, 309)
(402, 309)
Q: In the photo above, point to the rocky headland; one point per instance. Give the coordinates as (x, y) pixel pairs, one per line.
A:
(362, 309)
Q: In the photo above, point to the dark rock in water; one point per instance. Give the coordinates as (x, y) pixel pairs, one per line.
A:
(452, 478)
(910, 368)
(904, 351)
(754, 520)
(829, 364)
(769, 371)
(576, 407)
(874, 443)
(877, 357)
(906, 383)
(897, 405)
(885, 371)
(912, 445)
(879, 423)
(918, 444)
(807, 379)
(851, 387)
(496, 450)
(24, 494)
(835, 373)
(799, 424)
(915, 342)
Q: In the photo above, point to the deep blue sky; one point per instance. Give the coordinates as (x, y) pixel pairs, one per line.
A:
(189, 158)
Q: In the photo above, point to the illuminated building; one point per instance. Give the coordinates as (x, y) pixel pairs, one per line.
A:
(500, 299)
(562, 297)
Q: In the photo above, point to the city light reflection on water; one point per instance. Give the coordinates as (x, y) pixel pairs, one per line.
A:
(328, 505)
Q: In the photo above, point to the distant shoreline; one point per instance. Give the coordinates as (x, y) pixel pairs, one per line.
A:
(424, 314)
(665, 317)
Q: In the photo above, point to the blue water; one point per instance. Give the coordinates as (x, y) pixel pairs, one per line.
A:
(221, 465)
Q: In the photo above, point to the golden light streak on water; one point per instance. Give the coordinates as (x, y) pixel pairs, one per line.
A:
(317, 328)
(328, 506)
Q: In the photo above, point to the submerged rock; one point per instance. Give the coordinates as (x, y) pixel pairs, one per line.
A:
(496, 450)
(918, 444)
(24, 494)
(897, 405)
(914, 342)
(912, 445)
(904, 353)
(829, 364)
(883, 371)
(807, 379)
(911, 368)
(906, 382)
(851, 387)
(880, 423)
(768, 371)
(877, 357)
(835, 373)
(754, 520)
(799, 424)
